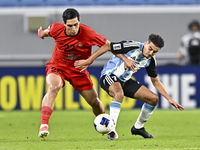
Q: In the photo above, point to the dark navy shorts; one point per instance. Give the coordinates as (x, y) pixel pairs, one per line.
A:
(129, 87)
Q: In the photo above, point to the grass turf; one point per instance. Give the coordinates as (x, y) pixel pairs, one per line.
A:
(75, 130)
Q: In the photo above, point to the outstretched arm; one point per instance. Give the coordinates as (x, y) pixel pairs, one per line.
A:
(85, 63)
(99, 52)
(43, 33)
(130, 64)
(159, 86)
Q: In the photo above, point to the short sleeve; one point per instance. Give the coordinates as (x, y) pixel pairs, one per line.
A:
(55, 28)
(151, 69)
(124, 46)
(50, 30)
(99, 40)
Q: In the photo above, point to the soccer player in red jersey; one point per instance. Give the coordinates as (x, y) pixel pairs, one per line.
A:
(73, 41)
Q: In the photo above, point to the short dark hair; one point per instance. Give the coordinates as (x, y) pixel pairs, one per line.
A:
(157, 40)
(70, 13)
(193, 23)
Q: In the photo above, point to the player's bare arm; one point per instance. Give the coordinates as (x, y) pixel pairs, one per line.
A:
(85, 63)
(43, 33)
(160, 88)
(130, 64)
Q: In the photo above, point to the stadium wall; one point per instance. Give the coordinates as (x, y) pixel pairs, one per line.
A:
(116, 23)
(23, 88)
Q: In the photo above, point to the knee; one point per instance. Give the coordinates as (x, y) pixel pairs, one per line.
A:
(154, 100)
(119, 96)
(94, 102)
(54, 88)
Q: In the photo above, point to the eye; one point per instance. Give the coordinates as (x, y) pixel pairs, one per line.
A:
(70, 25)
(150, 48)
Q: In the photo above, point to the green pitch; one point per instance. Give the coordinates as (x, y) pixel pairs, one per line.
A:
(74, 130)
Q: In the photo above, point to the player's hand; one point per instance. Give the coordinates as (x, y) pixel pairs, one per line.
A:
(81, 64)
(130, 64)
(40, 33)
(176, 105)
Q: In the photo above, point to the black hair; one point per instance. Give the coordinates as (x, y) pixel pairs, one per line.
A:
(194, 23)
(157, 40)
(70, 13)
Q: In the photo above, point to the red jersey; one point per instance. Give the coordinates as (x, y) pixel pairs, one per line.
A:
(71, 48)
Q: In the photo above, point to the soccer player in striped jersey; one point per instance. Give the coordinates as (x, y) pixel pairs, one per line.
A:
(116, 79)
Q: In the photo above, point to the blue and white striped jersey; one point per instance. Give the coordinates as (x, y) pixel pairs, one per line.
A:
(116, 66)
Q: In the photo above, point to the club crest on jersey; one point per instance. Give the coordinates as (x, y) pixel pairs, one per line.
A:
(80, 45)
(143, 62)
(116, 46)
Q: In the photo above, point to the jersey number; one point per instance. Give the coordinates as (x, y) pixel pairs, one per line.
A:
(67, 47)
(54, 69)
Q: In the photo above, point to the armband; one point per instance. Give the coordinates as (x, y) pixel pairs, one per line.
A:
(123, 46)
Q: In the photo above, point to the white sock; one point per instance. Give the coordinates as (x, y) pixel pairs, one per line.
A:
(145, 113)
(115, 108)
(42, 125)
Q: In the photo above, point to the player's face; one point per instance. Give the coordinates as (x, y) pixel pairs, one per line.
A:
(72, 26)
(195, 28)
(149, 49)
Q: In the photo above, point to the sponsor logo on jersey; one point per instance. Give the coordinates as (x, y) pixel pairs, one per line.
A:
(143, 62)
(116, 46)
(70, 57)
(80, 45)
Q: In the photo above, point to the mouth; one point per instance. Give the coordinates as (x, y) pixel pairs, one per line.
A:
(148, 56)
(73, 32)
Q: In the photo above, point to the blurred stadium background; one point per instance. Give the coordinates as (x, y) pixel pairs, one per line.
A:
(23, 55)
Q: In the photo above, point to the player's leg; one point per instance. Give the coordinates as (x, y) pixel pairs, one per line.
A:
(147, 96)
(92, 99)
(115, 90)
(54, 83)
(113, 87)
(151, 101)
(83, 84)
(134, 89)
